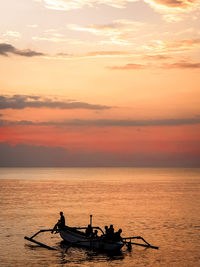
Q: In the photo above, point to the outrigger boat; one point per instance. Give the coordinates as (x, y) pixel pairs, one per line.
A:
(74, 236)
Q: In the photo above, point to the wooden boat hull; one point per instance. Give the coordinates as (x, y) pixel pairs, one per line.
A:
(77, 238)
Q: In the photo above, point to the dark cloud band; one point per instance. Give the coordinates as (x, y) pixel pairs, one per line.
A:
(24, 155)
(28, 101)
(107, 123)
(175, 65)
(6, 49)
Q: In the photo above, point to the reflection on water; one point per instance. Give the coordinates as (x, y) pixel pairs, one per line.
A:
(83, 256)
(162, 205)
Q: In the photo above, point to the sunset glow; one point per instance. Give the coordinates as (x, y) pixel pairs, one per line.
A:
(100, 82)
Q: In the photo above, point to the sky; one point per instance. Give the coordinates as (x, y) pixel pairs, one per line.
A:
(100, 83)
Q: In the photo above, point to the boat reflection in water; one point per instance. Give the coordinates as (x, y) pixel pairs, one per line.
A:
(81, 256)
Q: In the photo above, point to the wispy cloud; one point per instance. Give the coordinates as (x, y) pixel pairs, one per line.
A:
(156, 57)
(182, 65)
(108, 29)
(14, 34)
(33, 25)
(130, 66)
(172, 10)
(75, 4)
(109, 53)
(6, 49)
(175, 46)
(107, 122)
(166, 65)
(55, 39)
(118, 32)
(29, 101)
(53, 35)
(96, 54)
(5, 123)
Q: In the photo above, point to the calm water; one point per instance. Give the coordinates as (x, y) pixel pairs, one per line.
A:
(162, 205)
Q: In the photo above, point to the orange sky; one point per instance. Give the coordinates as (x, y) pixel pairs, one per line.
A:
(112, 77)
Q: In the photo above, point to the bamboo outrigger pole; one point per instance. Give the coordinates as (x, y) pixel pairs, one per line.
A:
(37, 242)
(147, 245)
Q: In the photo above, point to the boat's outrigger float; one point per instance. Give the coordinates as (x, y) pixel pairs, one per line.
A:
(73, 236)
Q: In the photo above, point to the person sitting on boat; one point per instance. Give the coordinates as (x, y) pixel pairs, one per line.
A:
(110, 233)
(106, 234)
(60, 224)
(117, 235)
(89, 231)
(95, 234)
(62, 221)
(106, 230)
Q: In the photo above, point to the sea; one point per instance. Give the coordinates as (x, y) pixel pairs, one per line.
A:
(162, 205)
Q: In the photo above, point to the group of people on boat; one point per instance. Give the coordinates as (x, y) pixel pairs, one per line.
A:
(109, 234)
(89, 232)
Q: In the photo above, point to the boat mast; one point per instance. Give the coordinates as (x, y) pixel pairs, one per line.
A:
(91, 220)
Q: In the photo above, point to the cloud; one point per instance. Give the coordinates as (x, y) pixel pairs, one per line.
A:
(6, 123)
(32, 25)
(27, 155)
(130, 123)
(107, 122)
(6, 49)
(182, 65)
(130, 66)
(96, 54)
(76, 4)
(157, 57)
(108, 29)
(52, 35)
(174, 65)
(175, 46)
(14, 34)
(118, 32)
(108, 53)
(171, 10)
(29, 101)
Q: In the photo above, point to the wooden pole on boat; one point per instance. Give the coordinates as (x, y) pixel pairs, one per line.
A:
(39, 243)
(138, 244)
(91, 220)
(147, 245)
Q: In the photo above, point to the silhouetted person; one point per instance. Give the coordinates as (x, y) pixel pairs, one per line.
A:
(110, 234)
(89, 230)
(106, 234)
(60, 224)
(106, 230)
(62, 220)
(95, 234)
(117, 235)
